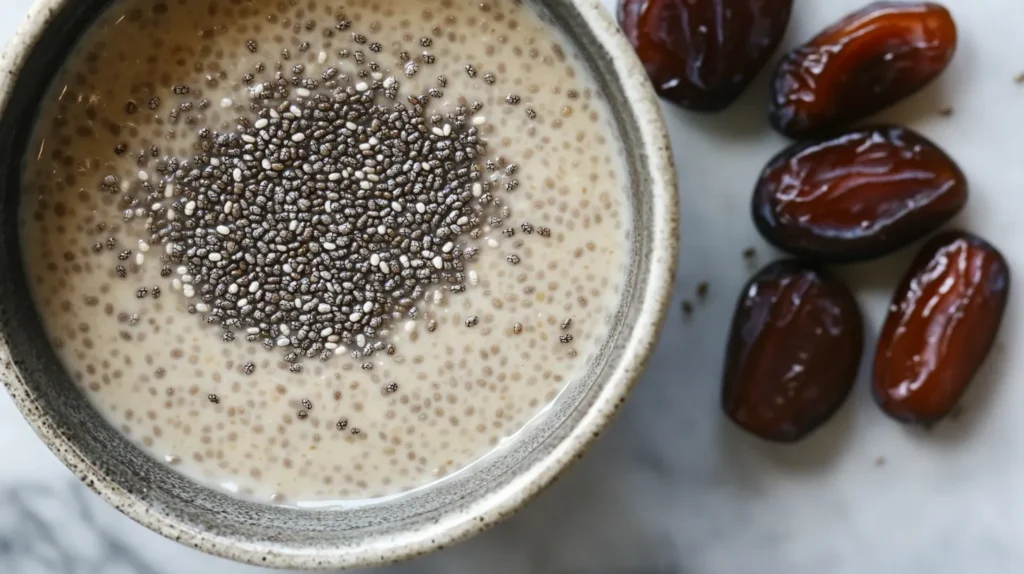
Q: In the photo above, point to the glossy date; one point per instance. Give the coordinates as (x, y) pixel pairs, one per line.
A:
(701, 54)
(793, 352)
(857, 195)
(941, 325)
(864, 63)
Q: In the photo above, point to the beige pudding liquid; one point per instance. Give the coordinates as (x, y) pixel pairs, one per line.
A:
(336, 432)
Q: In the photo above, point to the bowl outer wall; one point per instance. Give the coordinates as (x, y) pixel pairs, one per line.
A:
(448, 527)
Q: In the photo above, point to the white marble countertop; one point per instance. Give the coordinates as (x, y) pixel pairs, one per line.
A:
(672, 488)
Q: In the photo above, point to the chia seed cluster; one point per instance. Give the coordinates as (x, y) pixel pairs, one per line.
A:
(328, 211)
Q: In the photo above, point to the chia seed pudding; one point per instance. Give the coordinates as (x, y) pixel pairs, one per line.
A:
(312, 252)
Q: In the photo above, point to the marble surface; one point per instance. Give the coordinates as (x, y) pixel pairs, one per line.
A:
(672, 488)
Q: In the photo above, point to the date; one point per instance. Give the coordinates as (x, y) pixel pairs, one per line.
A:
(864, 63)
(858, 195)
(702, 54)
(793, 351)
(941, 325)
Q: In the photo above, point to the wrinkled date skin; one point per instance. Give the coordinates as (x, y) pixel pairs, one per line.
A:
(702, 54)
(793, 352)
(941, 325)
(858, 195)
(866, 62)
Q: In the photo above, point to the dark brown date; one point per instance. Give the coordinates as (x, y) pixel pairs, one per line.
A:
(702, 54)
(864, 63)
(857, 195)
(941, 325)
(793, 352)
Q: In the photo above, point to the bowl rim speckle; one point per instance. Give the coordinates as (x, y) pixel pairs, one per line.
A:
(496, 504)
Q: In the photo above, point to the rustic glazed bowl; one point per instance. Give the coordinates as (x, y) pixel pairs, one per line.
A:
(392, 529)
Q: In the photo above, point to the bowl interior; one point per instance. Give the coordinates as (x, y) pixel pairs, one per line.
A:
(179, 508)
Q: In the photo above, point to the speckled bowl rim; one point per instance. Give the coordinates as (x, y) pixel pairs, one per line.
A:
(495, 505)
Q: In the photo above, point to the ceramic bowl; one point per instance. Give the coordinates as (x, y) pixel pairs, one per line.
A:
(390, 530)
